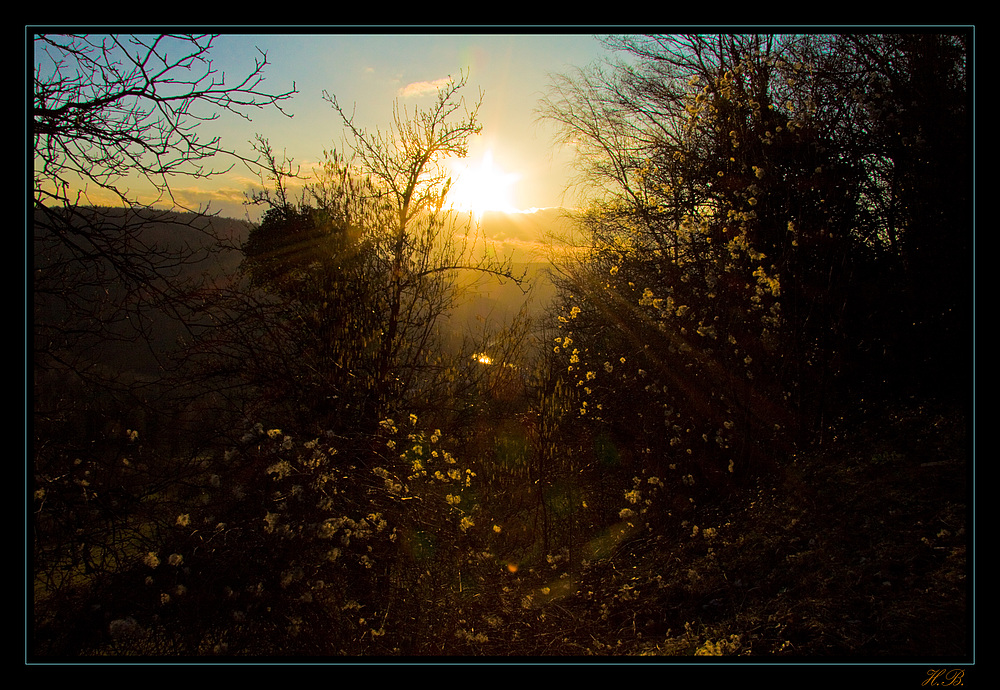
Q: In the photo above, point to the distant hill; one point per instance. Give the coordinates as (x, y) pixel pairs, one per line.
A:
(77, 293)
(527, 235)
(486, 305)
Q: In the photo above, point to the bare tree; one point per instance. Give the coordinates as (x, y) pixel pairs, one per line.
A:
(108, 113)
(111, 114)
(106, 108)
(420, 241)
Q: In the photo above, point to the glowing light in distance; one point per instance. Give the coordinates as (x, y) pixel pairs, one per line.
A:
(481, 188)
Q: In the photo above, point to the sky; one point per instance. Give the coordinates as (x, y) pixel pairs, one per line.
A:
(515, 163)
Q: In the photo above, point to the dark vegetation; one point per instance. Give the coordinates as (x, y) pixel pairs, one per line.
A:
(739, 424)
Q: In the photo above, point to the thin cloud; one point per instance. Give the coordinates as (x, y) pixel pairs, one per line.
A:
(422, 88)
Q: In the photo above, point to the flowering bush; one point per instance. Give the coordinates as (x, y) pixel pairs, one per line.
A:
(304, 547)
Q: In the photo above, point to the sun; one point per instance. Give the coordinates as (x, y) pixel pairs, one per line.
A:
(480, 188)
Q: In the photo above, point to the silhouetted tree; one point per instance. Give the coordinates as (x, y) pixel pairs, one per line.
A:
(366, 260)
(316, 261)
(741, 196)
(422, 248)
(110, 113)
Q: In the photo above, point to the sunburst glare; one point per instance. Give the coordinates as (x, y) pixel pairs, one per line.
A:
(481, 187)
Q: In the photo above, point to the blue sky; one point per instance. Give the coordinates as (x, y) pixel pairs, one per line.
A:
(368, 71)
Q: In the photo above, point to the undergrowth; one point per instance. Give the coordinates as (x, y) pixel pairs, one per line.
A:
(859, 549)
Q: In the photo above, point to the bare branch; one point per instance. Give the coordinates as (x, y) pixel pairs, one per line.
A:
(108, 108)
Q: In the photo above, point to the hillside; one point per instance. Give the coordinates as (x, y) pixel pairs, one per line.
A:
(214, 242)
